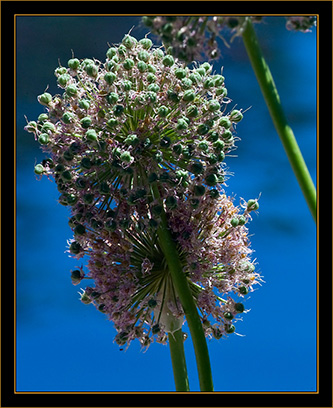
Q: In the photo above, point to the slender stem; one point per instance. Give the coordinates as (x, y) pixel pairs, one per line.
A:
(181, 285)
(273, 103)
(176, 344)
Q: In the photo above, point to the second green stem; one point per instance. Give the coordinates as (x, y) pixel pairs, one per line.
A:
(283, 129)
(181, 285)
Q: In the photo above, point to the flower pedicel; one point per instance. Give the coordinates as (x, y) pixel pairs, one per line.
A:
(122, 130)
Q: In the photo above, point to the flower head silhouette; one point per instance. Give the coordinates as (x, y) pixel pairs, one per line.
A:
(141, 121)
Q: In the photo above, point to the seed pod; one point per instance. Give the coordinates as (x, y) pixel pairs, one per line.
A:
(86, 122)
(73, 63)
(45, 98)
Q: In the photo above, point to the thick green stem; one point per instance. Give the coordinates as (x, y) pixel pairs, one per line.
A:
(273, 103)
(181, 285)
(176, 344)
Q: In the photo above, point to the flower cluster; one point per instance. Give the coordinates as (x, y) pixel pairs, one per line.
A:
(137, 120)
(301, 23)
(193, 38)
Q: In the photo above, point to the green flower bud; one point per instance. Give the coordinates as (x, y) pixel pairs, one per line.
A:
(127, 85)
(91, 135)
(91, 70)
(85, 298)
(230, 328)
(75, 248)
(252, 205)
(86, 122)
(228, 315)
(44, 138)
(110, 77)
(79, 229)
(73, 63)
(146, 43)
(128, 64)
(112, 123)
(236, 116)
(45, 98)
(168, 60)
(63, 80)
(218, 145)
(241, 220)
(42, 117)
(153, 88)
(151, 78)
(243, 290)
(234, 222)
(126, 157)
(71, 90)
(202, 129)
(213, 105)
(76, 276)
(48, 127)
(143, 55)
(227, 135)
(182, 124)
(180, 73)
(225, 122)
(131, 140)
(163, 111)
(194, 203)
(142, 66)
(217, 333)
(204, 146)
(239, 307)
(196, 168)
(118, 110)
(112, 98)
(189, 95)
(60, 71)
(214, 193)
(129, 41)
(67, 117)
(187, 83)
(111, 52)
(192, 111)
(39, 169)
(218, 80)
(211, 180)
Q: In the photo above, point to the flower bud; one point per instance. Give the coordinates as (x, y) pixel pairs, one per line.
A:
(45, 98)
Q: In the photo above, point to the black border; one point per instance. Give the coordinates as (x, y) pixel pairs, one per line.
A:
(324, 397)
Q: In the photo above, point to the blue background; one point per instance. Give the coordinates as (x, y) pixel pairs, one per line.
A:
(63, 345)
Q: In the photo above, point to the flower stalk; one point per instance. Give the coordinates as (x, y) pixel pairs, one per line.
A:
(186, 298)
(272, 99)
(176, 344)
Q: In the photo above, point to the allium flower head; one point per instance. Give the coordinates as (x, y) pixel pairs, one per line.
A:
(137, 120)
(192, 38)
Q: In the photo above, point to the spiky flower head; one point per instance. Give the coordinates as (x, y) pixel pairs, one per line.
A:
(192, 38)
(139, 119)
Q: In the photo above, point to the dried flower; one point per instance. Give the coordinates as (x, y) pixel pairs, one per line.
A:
(301, 23)
(194, 38)
(139, 118)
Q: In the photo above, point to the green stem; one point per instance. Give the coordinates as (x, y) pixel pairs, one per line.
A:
(282, 127)
(176, 344)
(181, 285)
